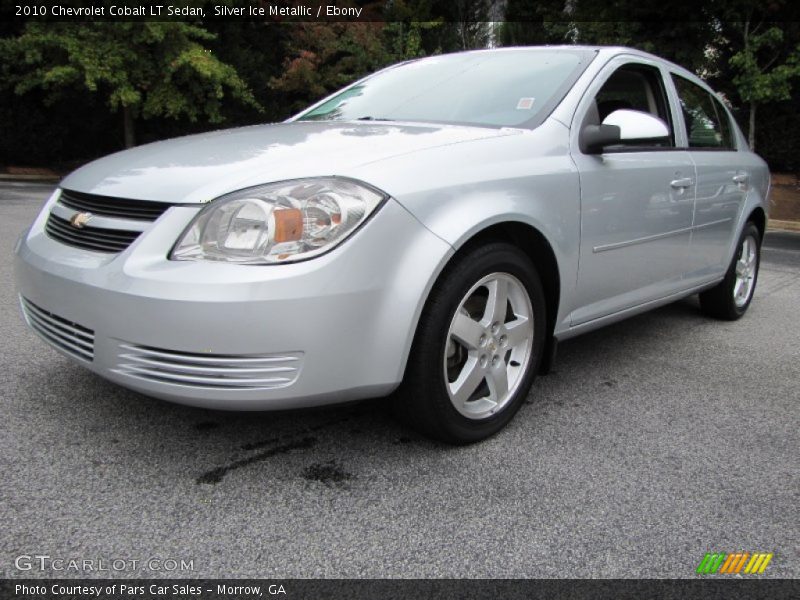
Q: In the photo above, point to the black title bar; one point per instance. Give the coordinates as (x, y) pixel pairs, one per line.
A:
(711, 588)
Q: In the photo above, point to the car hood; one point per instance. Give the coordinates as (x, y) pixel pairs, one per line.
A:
(199, 168)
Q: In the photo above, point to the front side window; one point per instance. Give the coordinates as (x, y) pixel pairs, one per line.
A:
(634, 87)
(707, 123)
(509, 88)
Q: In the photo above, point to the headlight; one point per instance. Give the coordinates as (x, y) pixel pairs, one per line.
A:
(279, 222)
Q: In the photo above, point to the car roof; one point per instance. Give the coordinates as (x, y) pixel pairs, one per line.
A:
(606, 51)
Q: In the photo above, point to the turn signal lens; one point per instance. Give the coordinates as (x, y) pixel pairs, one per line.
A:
(288, 225)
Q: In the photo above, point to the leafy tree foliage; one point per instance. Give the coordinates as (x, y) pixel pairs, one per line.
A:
(755, 55)
(760, 79)
(174, 78)
(530, 23)
(322, 57)
(622, 23)
(447, 25)
(256, 50)
(141, 69)
(746, 48)
(471, 19)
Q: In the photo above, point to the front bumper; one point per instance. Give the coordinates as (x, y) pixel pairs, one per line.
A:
(335, 328)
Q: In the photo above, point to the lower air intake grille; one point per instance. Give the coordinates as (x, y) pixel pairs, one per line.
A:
(89, 238)
(219, 371)
(76, 340)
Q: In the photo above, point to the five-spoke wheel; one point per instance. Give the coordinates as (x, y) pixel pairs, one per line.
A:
(488, 345)
(477, 347)
(745, 270)
(730, 298)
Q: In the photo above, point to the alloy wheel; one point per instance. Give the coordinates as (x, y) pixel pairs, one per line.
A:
(489, 345)
(746, 268)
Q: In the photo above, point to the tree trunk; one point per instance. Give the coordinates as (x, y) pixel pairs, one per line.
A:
(751, 134)
(127, 119)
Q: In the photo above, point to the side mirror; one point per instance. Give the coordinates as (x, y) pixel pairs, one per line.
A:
(623, 126)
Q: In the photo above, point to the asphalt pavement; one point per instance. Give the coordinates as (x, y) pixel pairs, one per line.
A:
(655, 441)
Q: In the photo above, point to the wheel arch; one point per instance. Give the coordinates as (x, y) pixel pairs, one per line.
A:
(759, 217)
(753, 211)
(530, 241)
(536, 247)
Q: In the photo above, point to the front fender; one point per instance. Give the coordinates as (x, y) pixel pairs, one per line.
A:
(460, 190)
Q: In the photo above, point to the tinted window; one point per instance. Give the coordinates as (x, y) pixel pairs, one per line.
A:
(707, 123)
(505, 88)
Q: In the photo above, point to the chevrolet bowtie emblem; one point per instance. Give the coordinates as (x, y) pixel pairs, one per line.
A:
(79, 220)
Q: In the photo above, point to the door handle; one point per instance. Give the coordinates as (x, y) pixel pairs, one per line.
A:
(740, 178)
(685, 182)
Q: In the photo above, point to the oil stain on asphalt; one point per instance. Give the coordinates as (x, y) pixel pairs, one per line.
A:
(329, 474)
(214, 476)
(261, 444)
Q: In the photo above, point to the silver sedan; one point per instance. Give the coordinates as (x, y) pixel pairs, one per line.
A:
(430, 232)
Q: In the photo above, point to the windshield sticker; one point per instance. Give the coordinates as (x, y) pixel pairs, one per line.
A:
(525, 104)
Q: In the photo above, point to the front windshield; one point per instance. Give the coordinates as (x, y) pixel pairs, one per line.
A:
(508, 88)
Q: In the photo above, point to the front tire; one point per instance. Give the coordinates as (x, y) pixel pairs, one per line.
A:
(730, 298)
(477, 348)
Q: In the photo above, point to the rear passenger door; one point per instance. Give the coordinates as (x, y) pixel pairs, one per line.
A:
(721, 179)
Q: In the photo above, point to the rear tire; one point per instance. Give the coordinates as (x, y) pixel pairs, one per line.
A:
(477, 347)
(729, 299)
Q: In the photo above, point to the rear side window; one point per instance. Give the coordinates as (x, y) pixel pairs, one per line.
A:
(707, 123)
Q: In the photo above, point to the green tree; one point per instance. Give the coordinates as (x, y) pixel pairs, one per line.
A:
(433, 26)
(323, 57)
(762, 71)
(142, 69)
(528, 23)
(622, 23)
(255, 50)
(405, 41)
(471, 18)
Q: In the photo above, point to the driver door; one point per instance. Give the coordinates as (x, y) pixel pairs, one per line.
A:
(637, 202)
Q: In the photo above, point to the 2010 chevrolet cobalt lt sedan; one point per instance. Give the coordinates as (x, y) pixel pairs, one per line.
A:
(431, 230)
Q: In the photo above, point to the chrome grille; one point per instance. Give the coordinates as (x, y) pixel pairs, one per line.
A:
(74, 339)
(220, 371)
(119, 208)
(89, 238)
